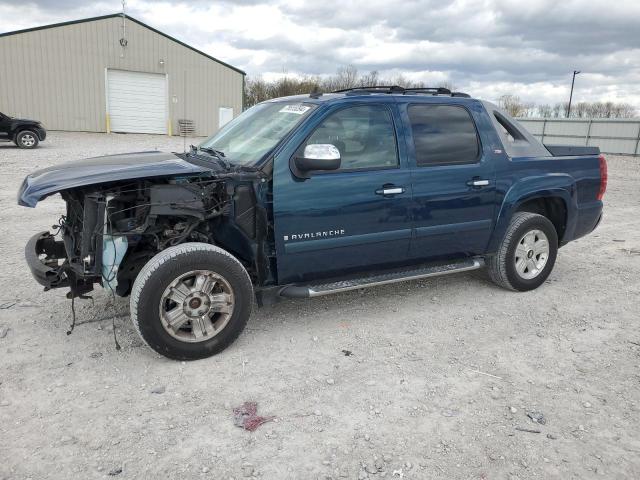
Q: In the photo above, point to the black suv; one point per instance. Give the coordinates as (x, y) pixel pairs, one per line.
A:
(24, 133)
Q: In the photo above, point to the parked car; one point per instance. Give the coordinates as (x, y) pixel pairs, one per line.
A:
(24, 133)
(311, 195)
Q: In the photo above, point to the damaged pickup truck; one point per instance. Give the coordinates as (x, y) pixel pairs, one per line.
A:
(311, 195)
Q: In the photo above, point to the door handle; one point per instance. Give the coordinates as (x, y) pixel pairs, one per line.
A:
(390, 190)
(476, 182)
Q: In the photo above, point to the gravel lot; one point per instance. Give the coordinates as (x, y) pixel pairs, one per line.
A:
(442, 371)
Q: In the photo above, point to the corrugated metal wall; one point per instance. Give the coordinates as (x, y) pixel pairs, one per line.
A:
(620, 136)
(57, 75)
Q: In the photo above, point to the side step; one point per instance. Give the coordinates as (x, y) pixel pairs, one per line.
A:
(318, 290)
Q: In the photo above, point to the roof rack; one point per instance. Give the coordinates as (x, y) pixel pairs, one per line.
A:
(401, 90)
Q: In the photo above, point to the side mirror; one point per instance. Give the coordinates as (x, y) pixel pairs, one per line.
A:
(319, 157)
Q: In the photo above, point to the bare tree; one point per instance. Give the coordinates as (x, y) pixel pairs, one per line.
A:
(559, 109)
(258, 90)
(512, 104)
(625, 110)
(588, 110)
(545, 110)
(347, 77)
(580, 110)
(370, 79)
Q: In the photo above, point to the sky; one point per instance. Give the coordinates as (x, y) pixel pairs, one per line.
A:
(487, 48)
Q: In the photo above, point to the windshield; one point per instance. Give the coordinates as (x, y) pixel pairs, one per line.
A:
(246, 139)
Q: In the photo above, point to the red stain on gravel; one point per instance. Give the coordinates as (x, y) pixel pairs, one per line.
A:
(245, 416)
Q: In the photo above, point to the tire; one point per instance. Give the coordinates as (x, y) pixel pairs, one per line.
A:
(506, 267)
(159, 304)
(27, 139)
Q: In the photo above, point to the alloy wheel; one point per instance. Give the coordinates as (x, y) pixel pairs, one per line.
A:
(531, 254)
(196, 306)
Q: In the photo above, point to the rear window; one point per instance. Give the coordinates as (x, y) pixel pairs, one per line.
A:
(443, 135)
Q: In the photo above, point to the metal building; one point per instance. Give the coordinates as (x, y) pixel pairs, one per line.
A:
(114, 74)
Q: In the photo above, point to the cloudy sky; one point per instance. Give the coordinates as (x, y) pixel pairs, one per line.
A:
(485, 47)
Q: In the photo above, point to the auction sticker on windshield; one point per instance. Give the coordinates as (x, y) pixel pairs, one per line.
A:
(298, 109)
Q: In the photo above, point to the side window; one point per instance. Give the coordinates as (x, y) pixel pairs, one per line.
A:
(443, 135)
(364, 135)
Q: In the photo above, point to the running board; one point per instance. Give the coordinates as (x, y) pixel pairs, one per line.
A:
(318, 290)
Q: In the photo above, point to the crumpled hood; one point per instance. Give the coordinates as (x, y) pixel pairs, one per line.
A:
(110, 168)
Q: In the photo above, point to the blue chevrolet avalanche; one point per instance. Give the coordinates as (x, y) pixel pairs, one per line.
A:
(311, 195)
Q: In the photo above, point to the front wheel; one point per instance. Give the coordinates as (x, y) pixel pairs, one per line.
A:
(27, 139)
(526, 254)
(191, 301)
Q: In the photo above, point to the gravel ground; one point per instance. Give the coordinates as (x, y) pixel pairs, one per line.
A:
(442, 372)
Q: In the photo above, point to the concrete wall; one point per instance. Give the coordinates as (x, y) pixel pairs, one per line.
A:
(57, 75)
(621, 136)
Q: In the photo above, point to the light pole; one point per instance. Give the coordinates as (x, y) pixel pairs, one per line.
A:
(575, 72)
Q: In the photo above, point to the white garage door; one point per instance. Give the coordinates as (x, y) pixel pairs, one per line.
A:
(137, 101)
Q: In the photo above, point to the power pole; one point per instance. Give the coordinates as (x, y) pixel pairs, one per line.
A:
(575, 72)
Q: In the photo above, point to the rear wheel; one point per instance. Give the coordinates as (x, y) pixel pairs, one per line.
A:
(27, 139)
(191, 301)
(526, 254)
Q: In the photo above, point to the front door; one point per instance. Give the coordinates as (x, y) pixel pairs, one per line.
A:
(4, 126)
(352, 219)
(453, 181)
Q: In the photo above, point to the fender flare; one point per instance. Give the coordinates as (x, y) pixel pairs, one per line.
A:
(557, 185)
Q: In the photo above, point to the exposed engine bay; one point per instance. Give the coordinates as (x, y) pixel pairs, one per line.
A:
(110, 231)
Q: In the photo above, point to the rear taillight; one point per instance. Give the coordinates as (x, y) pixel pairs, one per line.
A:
(603, 177)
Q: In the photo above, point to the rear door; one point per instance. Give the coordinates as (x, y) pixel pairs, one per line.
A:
(349, 220)
(453, 181)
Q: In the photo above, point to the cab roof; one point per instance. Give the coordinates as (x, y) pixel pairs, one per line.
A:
(376, 91)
